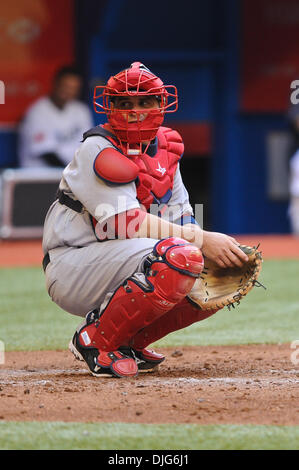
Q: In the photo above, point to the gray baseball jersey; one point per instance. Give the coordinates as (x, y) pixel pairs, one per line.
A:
(83, 271)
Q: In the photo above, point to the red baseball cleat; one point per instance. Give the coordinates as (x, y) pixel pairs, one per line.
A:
(146, 359)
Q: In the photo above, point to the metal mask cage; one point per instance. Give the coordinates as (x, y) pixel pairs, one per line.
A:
(104, 96)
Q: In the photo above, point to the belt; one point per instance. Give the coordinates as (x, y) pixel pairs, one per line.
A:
(46, 261)
(63, 198)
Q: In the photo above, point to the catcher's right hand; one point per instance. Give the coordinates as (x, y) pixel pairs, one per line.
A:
(223, 250)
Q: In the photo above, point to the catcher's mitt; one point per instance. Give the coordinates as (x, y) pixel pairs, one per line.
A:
(219, 287)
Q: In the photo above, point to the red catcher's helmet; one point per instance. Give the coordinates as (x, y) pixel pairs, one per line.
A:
(139, 81)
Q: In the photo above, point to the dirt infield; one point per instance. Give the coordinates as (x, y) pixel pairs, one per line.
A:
(29, 252)
(228, 384)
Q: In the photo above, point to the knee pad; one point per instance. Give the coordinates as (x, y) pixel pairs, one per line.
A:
(171, 269)
(168, 276)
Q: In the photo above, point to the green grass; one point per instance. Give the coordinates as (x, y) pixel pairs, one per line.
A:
(31, 321)
(120, 436)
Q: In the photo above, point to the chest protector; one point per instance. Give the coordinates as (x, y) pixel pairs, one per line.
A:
(155, 173)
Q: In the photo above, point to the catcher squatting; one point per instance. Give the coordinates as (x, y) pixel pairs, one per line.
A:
(134, 274)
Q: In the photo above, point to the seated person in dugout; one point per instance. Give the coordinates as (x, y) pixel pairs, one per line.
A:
(121, 246)
(52, 128)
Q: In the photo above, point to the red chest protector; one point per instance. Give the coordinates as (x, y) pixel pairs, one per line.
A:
(154, 173)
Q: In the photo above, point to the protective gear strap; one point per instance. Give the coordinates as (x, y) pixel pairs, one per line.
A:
(101, 131)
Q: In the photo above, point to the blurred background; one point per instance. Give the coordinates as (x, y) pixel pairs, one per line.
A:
(232, 61)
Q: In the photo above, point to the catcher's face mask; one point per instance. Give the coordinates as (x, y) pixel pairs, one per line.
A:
(135, 124)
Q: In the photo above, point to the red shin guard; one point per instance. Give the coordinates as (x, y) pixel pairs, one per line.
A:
(171, 270)
(181, 316)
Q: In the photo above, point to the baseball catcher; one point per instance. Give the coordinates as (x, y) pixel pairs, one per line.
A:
(121, 246)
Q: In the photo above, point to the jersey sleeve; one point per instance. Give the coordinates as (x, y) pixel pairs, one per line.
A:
(101, 199)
